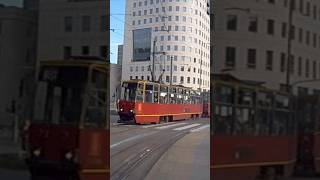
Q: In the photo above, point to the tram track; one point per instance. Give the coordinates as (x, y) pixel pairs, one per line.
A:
(144, 155)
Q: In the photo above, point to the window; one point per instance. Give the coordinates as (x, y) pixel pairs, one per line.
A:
(177, 18)
(282, 62)
(230, 56)
(253, 24)
(300, 35)
(284, 30)
(176, 48)
(181, 79)
(177, 8)
(150, 20)
(307, 68)
(251, 61)
(131, 69)
(176, 28)
(174, 79)
(299, 66)
(103, 23)
(270, 27)
(145, 12)
(269, 60)
(137, 68)
(85, 50)
(103, 51)
(68, 24)
(308, 9)
(301, 6)
(232, 22)
(314, 69)
(308, 37)
(314, 40)
(271, 1)
(67, 52)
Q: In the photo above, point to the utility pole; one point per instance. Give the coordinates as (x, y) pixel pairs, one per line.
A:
(289, 46)
(153, 59)
(200, 67)
(171, 58)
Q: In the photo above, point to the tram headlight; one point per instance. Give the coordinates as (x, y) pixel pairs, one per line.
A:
(36, 152)
(121, 109)
(131, 110)
(68, 155)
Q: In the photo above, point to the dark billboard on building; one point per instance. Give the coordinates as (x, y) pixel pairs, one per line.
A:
(141, 44)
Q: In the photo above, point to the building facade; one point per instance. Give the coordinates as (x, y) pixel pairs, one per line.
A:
(115, 84)
(76, 28)
(165, 30)
(18, 28)
(120, 54)
(251, 42)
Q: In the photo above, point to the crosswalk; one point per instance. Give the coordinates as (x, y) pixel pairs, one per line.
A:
(179, 126)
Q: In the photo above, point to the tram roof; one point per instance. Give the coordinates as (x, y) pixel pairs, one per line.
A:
(230, 79)
(145, 81)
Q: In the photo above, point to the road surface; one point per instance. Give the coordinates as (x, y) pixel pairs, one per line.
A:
(135, 149)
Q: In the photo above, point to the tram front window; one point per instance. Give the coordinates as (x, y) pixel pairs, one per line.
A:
(59, 95)
(128, 91)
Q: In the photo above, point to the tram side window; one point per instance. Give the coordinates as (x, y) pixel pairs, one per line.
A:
(96, 113)
(149, 93)
(140, 88)
(223, 119)
(156, 93)
(263, 122)
(246, 97)
(244, 121)
(173, 96)
(224, 94)
(164, 94)
(128, 92)
(180, 96)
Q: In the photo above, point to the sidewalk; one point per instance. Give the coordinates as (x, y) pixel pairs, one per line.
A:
(187, 159)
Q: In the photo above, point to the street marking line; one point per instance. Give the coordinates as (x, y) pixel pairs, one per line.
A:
(156, 125)
(200, 128)
(186, 127)
(169, 126)
(131, 139)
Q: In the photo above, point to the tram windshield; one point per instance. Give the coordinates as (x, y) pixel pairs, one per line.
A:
(59, 95)
(128, 91)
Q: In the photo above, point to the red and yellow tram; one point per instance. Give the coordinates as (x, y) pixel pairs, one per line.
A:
(69, 133)
(150, 102)
(252, 131)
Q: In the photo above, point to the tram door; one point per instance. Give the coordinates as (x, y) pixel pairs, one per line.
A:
(94, 127)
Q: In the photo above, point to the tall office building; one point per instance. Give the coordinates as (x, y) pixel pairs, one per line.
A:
(251, 42)
(161, 30)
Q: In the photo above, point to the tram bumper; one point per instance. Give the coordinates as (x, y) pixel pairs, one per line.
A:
(126, 117)
(40, 167)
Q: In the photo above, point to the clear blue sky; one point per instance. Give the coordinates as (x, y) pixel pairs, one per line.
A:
(117, 10)
(12, 2)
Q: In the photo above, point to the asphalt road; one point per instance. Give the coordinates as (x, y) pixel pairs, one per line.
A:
(135, 149)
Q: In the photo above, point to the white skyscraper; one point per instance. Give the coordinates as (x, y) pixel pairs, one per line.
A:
(179, 29)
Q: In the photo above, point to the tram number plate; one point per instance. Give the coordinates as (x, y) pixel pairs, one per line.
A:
(243, 152)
